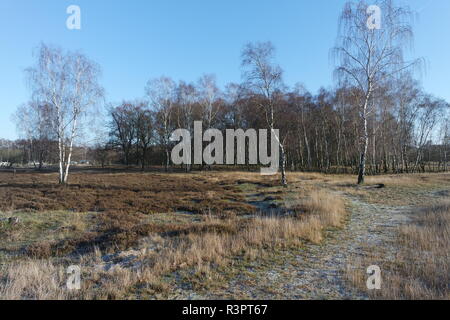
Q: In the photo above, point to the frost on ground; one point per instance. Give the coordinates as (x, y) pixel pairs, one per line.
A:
(318, 271)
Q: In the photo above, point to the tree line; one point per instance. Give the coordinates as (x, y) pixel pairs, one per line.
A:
(377, 119)
(321, 132)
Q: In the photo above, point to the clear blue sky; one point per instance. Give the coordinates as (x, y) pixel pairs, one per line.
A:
(136, 40)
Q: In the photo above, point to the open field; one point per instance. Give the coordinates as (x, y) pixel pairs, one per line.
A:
(222, 235)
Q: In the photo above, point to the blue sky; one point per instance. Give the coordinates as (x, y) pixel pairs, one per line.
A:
(136, 40)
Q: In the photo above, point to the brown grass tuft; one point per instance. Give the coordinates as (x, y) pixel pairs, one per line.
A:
(420, 269)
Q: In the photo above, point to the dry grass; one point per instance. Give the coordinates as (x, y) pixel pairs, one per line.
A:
(32, 280)
(136, 218)
(328, 208)
(420, 268)
(397, 190)
(163, 248)
(201, 246)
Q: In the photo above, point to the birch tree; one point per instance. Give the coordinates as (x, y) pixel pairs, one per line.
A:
(68, 83)
(300, 104)
(431, 111)
(162, 94)
(369, 53)
(262, 74)
(187, 97)
(208, 95)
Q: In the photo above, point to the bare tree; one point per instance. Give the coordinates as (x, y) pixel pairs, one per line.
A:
(208, 95)
(262, 74)
(300, 104)
(162, 93)
(143, 123)
(68, 84)
(407, 94)
(26, 120)
(34, 122)
(123, 130)
(369, 56)
(235, 112)
(445, 140)
(430, 112)
(187, 96)
(208, 99)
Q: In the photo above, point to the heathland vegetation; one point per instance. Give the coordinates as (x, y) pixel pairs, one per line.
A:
(138, 226)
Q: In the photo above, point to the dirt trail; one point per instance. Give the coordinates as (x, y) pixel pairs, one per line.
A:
(318, 271)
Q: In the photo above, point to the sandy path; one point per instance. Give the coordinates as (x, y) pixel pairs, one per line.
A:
(318, 271)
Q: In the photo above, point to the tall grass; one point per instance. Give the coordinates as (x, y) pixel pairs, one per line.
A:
(420, 269)
(214, 244)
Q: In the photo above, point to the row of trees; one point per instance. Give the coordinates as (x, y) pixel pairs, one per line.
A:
(408, 131)
(378, 113)
(377, 118)
(407, 128)
(41, 154)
